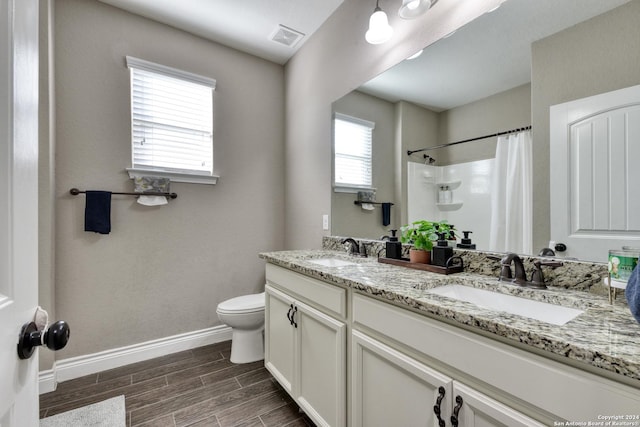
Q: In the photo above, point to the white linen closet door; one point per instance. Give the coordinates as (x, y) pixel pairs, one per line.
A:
(595, 173)
(18, 207)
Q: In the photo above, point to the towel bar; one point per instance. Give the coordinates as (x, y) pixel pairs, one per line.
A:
(361, 202)
(75, 192)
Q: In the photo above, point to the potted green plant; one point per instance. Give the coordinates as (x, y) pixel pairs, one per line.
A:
(421, 234)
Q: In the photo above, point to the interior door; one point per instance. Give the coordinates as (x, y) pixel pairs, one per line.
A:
(18, 206)
(594, 172)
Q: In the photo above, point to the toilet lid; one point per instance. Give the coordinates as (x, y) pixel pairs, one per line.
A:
(244, 303)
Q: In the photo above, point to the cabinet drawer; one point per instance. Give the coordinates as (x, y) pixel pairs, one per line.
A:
(317, 293)
(567, 392)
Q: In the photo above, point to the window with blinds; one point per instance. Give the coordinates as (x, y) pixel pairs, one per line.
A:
(352, 151)
(171, 119)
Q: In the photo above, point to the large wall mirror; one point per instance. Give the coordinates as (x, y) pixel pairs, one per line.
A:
(501, 72)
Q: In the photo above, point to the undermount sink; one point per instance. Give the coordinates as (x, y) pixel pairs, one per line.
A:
(331, 262)
(545, 312)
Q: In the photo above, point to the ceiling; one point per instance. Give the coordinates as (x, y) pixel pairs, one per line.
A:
(246, 25)
(489, 55)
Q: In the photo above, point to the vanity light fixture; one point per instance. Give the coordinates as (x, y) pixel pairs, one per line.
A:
(379, 29)
(413, 8)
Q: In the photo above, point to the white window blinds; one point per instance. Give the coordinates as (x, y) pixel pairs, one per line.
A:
(352, 151)
(171, 119)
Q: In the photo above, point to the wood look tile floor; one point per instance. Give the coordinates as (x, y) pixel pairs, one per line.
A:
(198, 388)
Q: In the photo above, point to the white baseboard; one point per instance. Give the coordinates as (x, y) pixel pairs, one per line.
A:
(47, 381)
(75, 367)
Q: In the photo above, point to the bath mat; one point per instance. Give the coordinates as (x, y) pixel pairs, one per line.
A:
(108, 413)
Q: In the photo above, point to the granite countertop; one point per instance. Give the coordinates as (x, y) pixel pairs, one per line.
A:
(604, 336)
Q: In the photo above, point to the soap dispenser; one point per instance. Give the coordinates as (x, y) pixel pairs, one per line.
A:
(394, 247)
(466, 241)
(442, 251)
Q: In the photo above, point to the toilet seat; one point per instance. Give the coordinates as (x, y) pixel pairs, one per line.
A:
(242, 304)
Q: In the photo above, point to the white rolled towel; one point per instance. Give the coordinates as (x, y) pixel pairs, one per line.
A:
(152, 200)
(152, 184)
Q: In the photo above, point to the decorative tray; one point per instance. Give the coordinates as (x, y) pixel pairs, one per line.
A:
(454, 265)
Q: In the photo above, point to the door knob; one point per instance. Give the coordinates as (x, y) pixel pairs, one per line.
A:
(55, 338)
(560, 247)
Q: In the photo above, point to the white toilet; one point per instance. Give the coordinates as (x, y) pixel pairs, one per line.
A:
(245, 315)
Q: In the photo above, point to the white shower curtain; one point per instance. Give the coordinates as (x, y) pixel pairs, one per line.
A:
(511, 195)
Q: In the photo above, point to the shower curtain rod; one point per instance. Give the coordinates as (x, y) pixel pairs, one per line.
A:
(410, 152)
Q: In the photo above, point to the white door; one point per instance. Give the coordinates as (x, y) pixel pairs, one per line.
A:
(594, 172)
(18, 207)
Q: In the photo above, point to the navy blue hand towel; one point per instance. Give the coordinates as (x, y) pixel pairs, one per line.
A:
(386, 214)
(97, 212)
(632, 292)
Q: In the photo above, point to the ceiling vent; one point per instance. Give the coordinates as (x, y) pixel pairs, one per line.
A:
(286, 36)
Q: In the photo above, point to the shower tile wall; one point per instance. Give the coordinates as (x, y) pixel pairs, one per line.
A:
(474, 192)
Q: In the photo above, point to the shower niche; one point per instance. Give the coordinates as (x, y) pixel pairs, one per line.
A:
(446, 199)
(469, 205)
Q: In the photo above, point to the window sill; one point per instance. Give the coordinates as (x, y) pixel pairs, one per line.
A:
(174, 176)
(347, 189)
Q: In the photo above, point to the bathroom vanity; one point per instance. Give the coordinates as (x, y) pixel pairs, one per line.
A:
(360, 343)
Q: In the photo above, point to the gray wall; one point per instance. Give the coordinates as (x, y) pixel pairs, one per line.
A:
(162, 270)
(416, 128)
(333, 62)
(596, 56)
(350, 219)
(500, 112)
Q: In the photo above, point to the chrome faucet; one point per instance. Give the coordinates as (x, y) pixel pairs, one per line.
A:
(355, 249)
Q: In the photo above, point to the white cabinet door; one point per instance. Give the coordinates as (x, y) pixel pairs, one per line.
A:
(305, 350)
(321, 357)
(474, 409)
(392, 389)
(279, 338)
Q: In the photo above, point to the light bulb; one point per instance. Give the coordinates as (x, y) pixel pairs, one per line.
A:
(379, 29)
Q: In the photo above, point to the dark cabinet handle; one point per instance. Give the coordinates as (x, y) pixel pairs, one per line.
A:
(456, 410)
(289, 315)
(55, 338)
(293, 316)
(437, 407)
